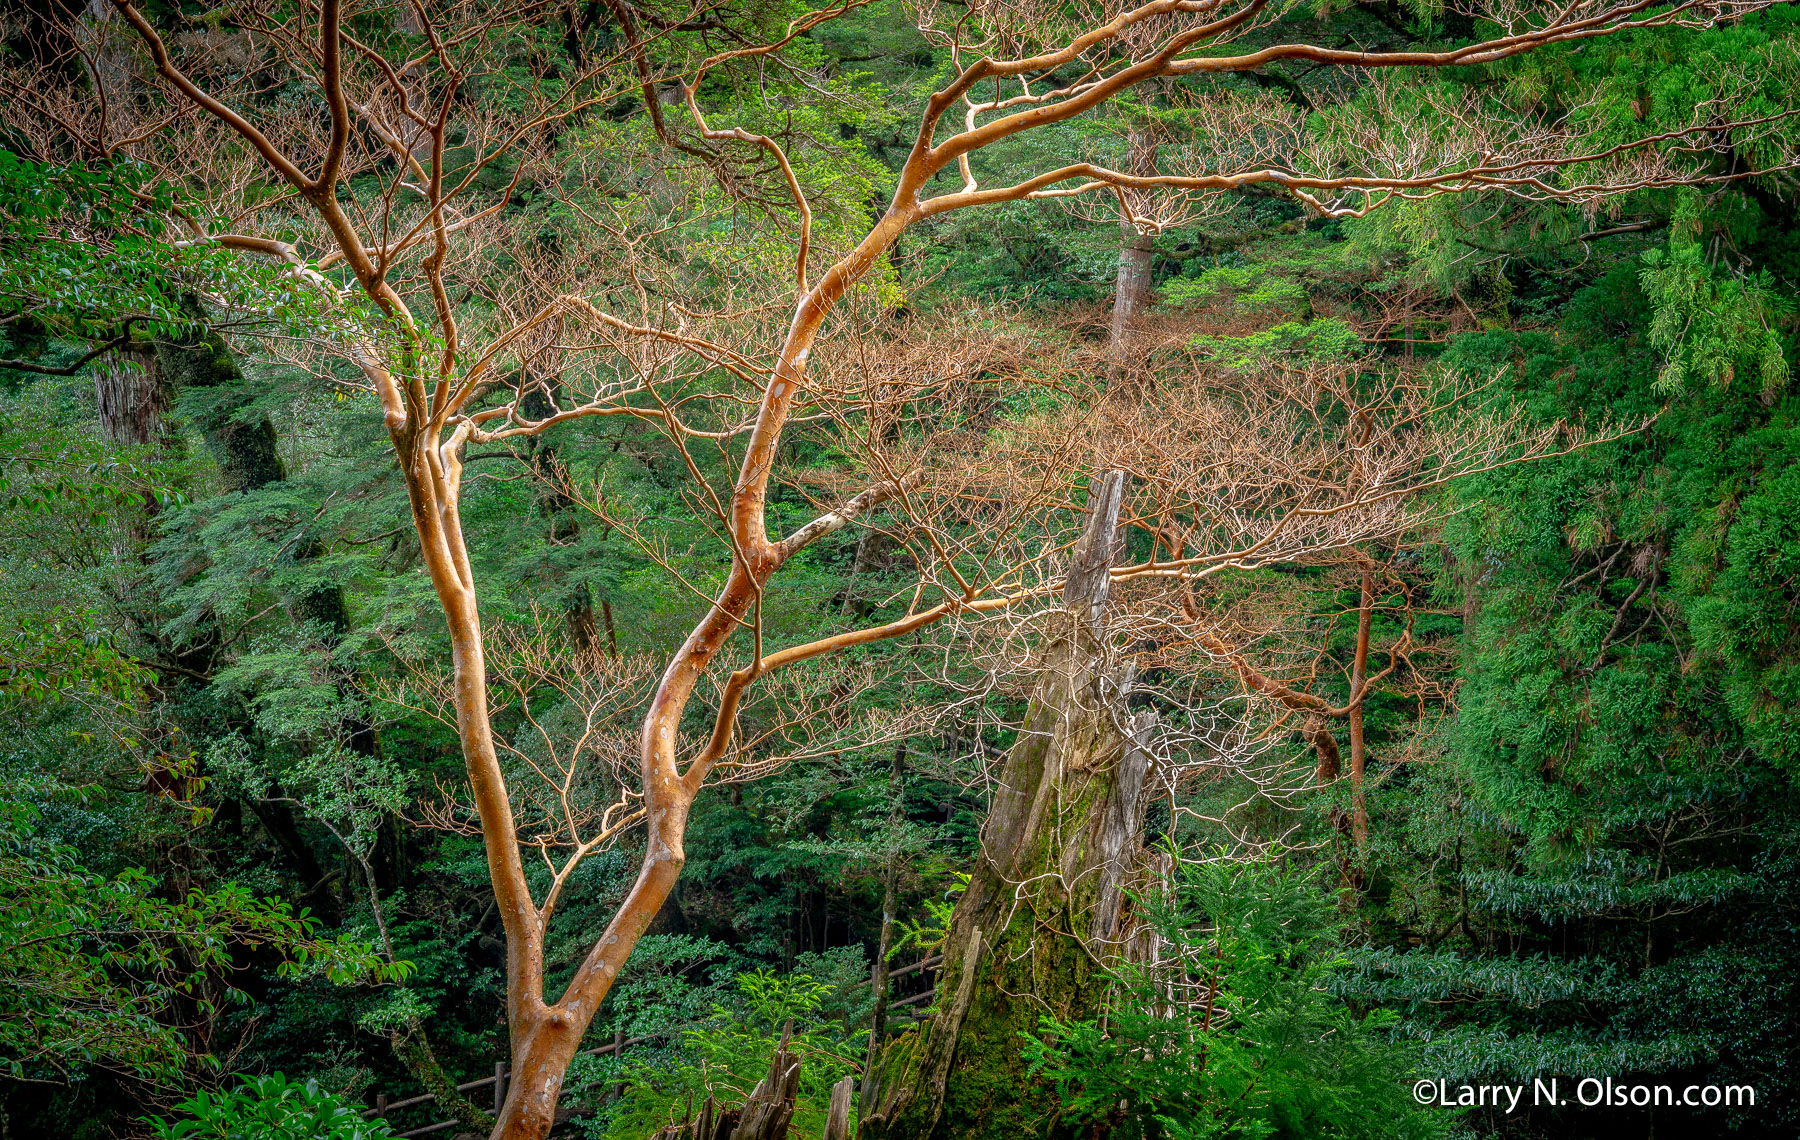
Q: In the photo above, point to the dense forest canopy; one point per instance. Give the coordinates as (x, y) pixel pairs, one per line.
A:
(903, 569)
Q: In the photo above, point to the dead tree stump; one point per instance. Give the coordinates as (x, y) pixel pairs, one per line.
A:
(1040, 918)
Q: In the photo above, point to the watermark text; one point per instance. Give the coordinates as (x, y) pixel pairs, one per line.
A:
(1588, 1092)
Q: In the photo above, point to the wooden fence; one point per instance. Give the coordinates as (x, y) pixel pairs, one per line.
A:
(383, 1106)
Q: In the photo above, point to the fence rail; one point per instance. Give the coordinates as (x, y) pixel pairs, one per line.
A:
(383, 1105)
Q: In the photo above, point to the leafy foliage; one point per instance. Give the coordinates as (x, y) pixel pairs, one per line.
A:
(1711, 323)
(91, 967)
(87, 258)
(729, 1053)
(270, 1107)
(1234, 1031)
(65, 653)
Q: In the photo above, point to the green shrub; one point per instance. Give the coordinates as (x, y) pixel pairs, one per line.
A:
(269, 1108)
(1233, 1032)
(730, 1053)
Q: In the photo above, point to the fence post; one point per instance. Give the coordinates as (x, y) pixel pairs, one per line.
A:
(499, 1086)
(381, 1103)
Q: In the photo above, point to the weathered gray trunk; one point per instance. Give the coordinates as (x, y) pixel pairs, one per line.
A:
(1132, 292)
(766, 1114)
(769, 1109)
(1041, 915)
(1137, 255)
(837, 1117)
(889, 903)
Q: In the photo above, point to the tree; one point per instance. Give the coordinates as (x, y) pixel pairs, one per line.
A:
(1598, 872)
(1139, 690)
(397, 183)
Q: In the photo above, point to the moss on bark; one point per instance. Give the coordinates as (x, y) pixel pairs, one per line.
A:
(1034, 929)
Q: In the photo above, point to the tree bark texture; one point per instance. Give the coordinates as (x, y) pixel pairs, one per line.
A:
(1041, 915)
(1359, 674)
(413, 1047)
(1137, 254)
(766, 1114)
(837, 1118)
(889, 903)
(1132, 292)
(132, 399)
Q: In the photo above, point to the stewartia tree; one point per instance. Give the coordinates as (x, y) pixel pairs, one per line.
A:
(714, 273)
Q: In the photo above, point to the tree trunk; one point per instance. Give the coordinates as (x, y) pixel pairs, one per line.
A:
(541, 1056)
(1042, 910)
(837, 1118)
(889, 903)
(542, 392)
(1359, 672)
(277, 818)
(413, 1047)
(132, 399)
(766, 1114)
(1137, 251)
(244, 444)
(242, 441)
(1132, 293)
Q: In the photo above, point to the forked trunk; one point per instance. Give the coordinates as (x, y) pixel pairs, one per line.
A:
(539, 1061)
(1041, 915)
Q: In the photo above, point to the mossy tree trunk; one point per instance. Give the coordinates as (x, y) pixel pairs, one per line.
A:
(244, 443)
(542, 384)
(132, 399)
(1041, 915)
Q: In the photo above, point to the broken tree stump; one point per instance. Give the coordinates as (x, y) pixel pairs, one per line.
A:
(1040, 919)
